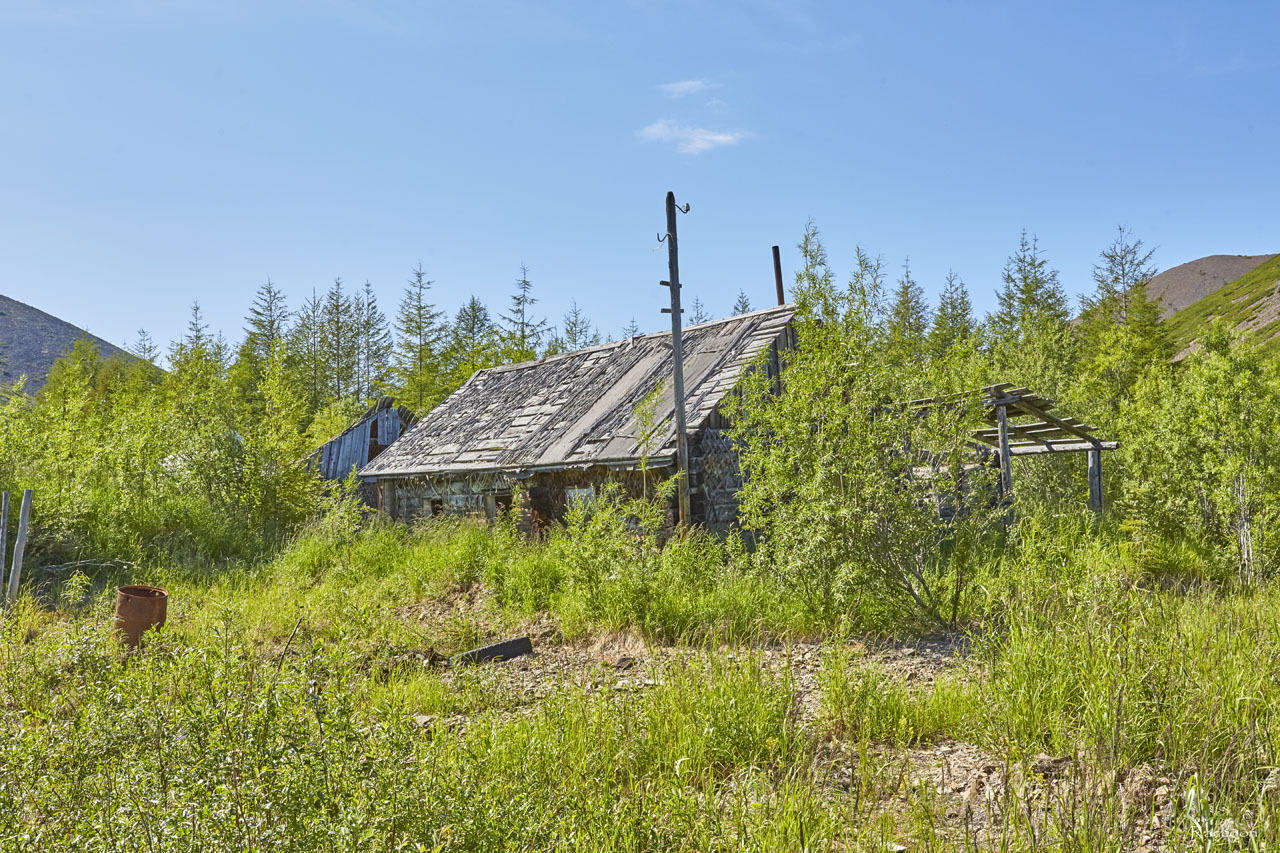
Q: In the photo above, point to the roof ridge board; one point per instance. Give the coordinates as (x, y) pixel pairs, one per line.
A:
(560, 356)
(785, 308)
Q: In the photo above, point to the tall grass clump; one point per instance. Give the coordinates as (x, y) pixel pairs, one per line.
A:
(1088, 656)
(862, 702)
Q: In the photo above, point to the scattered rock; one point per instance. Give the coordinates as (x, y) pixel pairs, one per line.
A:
(1050, 767)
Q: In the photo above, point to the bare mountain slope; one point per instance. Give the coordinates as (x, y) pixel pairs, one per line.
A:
(1250, 304)
(1187, 283)
(31, 340)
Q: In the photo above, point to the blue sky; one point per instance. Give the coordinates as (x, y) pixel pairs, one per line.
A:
(153, 154)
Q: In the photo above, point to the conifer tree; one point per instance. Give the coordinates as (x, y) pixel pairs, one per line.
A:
(1030, 293)
(741, 306)
(698, 313)
(306, 351)
(265, 328)
(631, 329)
(1029, 335)
(472, 342)
(578, 330)
(1120, 334)
(1124, 269)
(197, 335)
(522, 332)
(373, 344)
(908, 317)
(339, 337)
(145, 347)
(268, 320)
(953, 321)
(220, 351)
(416, 360)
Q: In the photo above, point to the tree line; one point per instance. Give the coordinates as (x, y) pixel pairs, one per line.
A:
(204, 459)
(340, 350)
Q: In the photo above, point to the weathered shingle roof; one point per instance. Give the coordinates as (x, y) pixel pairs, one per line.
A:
(579, 409)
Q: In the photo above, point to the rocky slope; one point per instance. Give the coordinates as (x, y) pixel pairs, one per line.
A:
(31, 340)
(1183, 285)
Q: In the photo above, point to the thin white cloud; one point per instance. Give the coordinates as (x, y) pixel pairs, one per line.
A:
(683, 88)
(689, 140)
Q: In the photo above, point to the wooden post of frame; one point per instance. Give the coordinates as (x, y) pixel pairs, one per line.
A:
(4, 533)
(1095, 480)
(20, 545)
(1006, 471)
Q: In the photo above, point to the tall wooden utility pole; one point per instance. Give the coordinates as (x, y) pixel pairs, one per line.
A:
(677, 355)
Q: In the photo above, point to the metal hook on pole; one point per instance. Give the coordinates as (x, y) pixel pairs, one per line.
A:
(662, 237)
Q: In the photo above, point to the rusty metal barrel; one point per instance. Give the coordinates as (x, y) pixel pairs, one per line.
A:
(139, 608)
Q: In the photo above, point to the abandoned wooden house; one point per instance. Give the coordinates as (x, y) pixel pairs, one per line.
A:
(557, 429)
(1022, 423)
(362, 442)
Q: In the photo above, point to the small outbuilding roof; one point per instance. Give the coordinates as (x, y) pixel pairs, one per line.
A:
(384, 420)
(579, 409)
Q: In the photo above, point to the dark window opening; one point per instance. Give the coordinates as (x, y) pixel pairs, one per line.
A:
(437, 507)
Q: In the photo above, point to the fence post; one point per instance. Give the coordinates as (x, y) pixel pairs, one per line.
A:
(15, 575)
(4, 531)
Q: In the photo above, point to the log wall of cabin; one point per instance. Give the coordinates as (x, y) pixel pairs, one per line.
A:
(544, 496)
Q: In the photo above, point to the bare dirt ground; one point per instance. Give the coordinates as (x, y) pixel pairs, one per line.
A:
(967, 788)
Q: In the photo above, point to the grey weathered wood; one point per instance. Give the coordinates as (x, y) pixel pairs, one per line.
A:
(19, 546)
(1041, 429)
(4, 532)
(1061, 447)
(579, 409)
(1006, 472)
(1095, 480)
(677, 358)
(1069, 425)
(350, 448)
(506, 650)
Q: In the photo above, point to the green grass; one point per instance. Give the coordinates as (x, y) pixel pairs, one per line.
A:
(1236, 303)
(270, 712)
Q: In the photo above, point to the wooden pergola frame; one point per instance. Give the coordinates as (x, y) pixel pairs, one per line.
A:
(1043, 433)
